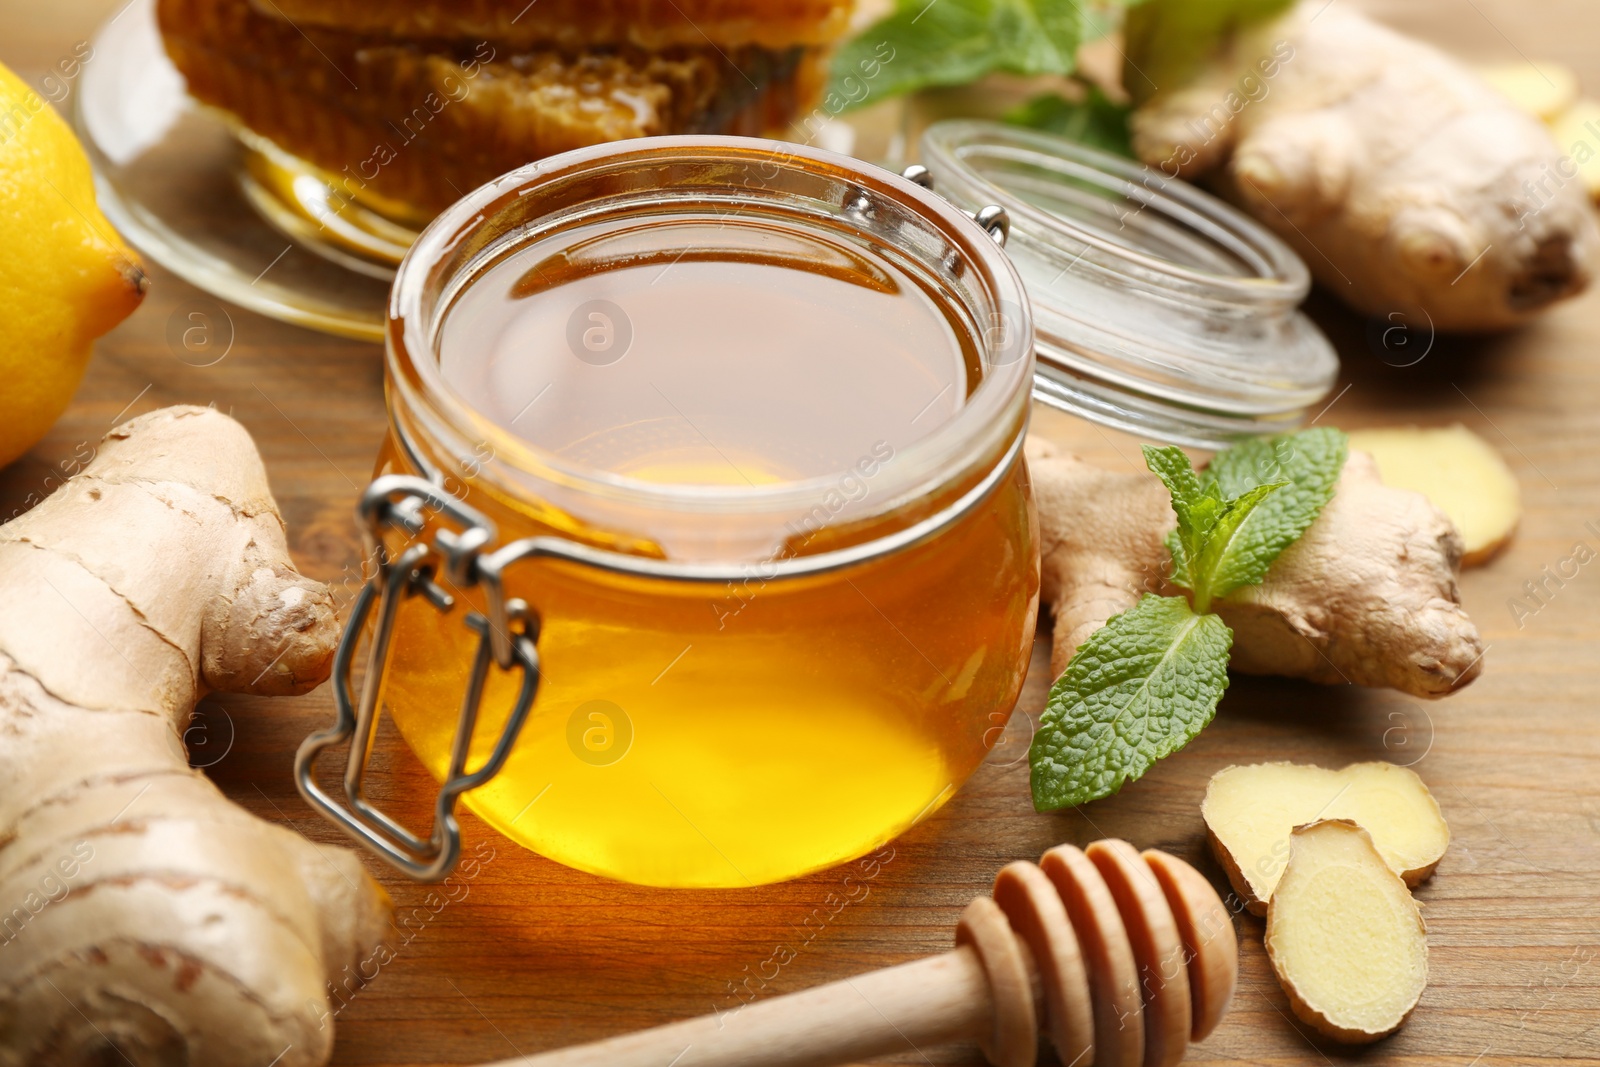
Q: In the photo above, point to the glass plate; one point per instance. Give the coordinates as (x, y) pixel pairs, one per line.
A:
(231, 212)
(174, 177)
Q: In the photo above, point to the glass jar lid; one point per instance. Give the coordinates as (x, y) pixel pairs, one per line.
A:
(1158, 309)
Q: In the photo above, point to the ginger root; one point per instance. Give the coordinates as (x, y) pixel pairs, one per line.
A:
(1406, 182)
(1456, 470)
(1367, 595)
(1345, 937)
(1251, 814)
(145, 918)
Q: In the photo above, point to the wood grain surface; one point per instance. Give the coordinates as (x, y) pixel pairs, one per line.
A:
(528, 955)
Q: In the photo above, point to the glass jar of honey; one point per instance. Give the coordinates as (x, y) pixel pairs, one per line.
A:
(703, 546)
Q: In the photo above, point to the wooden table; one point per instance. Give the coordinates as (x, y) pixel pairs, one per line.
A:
(529, 955)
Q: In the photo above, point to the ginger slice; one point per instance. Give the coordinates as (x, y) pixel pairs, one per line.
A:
(1345, 937)
(1543, 89)
(1571, 129)
(1459, 472)
(1252, 811)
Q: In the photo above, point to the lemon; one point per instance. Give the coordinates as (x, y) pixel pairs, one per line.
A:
(65, 275)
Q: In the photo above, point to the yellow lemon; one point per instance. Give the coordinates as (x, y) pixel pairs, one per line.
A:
(65, 275)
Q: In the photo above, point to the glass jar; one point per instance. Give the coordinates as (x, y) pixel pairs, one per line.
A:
(1158, 309)
(748, 586)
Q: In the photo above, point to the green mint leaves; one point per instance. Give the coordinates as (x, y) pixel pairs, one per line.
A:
(1139, 689)
(1096, 120)
(1213, 550)
(952, 42)
(925, 43)
(1142, 686)
(1306, 465)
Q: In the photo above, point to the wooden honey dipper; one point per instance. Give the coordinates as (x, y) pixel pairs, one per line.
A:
(1124, 957)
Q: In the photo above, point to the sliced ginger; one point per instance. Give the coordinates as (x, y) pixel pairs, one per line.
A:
(1345, 936)
(1251, 813)
(1459, 472)
(1543, 89)
(1575, 132)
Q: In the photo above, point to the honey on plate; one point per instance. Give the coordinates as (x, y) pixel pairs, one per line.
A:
(713, 387)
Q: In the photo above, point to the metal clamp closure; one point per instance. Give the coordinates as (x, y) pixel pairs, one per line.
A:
(447, 547)
(992, 218)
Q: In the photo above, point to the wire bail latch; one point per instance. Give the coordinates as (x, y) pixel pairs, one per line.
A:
(446, 551)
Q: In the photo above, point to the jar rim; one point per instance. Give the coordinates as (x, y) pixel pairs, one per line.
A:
(994, 413)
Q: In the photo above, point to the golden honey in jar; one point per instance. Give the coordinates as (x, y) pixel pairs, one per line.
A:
(777, 398)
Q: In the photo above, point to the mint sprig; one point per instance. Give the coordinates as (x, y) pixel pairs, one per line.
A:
(1142, 686)
(952, 42)
(924, 43)
(1212, 553)
(1306, 465)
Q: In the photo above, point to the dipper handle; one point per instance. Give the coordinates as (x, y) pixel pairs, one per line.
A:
(1120, 957)
(925, 1003)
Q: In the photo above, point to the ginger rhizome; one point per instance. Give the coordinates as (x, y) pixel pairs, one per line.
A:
(1366, 595)
(148, 919)
(1459, 473)
(1251, 813)
(1345, 937)
(1408, 184)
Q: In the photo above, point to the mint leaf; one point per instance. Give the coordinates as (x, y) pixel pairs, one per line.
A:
(1172, 466)
(1309, 460)
(1231, 557)
(1096, 120)
(952, 42)
(1307, 466)
(1196, 509)
(1138, 689)
(1167, 42)
(1249, 504)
